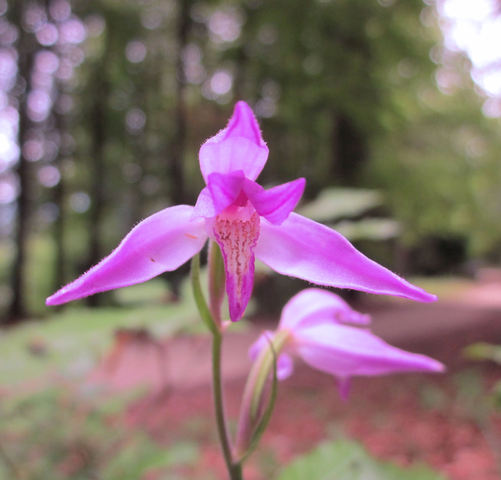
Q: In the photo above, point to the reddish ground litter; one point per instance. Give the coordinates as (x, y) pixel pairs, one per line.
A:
(445, 421)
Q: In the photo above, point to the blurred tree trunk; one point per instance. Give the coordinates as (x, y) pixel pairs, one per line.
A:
(178, 139)
(177, 183)
(241, 84)
(26, 50)
(98, 128)
(135, 198)
(241, 62)
(349, 150)
(59, 200)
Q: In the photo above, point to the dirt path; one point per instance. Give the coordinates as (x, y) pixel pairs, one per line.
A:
(441, 330)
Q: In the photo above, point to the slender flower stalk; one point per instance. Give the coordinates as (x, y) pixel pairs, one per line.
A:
(247, 222)
(217, 388)
(216, 281)
(216, 328)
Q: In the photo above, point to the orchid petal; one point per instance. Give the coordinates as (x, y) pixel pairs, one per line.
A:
(285, 364)
(302, 248)
(237, 147)
(311, 304)
(276, 203)
(225, 188)
(344, 351)
(262, 342)
(205, 205)
(160, 243)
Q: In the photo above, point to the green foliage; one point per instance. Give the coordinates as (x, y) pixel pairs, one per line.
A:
(379, 229)
(335, 203)
(129, 465)
(74, 338)
(344, 205)
(484, 351)
(347, 97)
(52, 434)
(439, 165)
(489, 352)
(346, 460)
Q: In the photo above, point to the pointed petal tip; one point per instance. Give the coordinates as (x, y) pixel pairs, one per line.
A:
(242, 105)
(413, 292)
(421, 363)
(239, 146)
(243, 122)
(68, 293)
(236, 306)
(361, 318)
(431, 297)
(58, 298)
(421, 295)
(50, 301)
(235, 316)
(437, 367)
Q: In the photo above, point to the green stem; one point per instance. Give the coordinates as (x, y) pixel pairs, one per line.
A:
(217, 281)
(198, 295)
(214, 325)
(234, 470)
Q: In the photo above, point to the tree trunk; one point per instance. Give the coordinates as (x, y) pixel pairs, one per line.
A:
(59, 200)
(176, 172)
(242, 82)
(98, 168)
(176, 180)
(26, 48)
(349, 150)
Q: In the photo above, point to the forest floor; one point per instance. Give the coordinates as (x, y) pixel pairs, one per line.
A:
(447, 422)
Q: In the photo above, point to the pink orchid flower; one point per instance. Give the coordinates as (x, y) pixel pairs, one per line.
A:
(246, 221)
(323, 330)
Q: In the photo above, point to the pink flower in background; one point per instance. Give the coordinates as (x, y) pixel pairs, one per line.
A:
(330, 336)
(246, 221)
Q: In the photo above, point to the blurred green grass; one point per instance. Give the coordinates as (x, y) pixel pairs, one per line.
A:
(53, 434)
(49, 431)
(68, 341)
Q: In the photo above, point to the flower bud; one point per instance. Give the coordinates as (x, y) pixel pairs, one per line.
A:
(216, 280)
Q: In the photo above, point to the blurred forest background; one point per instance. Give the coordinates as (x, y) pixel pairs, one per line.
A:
(104, 104)
(389, 108)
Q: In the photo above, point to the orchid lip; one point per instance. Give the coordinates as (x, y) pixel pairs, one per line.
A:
(236, 231)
